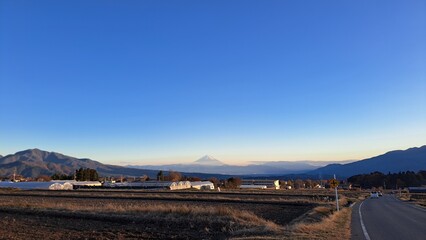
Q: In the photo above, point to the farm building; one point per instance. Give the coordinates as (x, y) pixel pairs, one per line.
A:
(122, 184)
(345, 186)
(183, 185)
(203, 185)
(38, 185)
(87, 183)
(268, 183)
(151, 185)
(80, 184)
(252, 186)
(417, 189)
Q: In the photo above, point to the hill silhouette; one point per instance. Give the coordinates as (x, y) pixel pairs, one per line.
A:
(412, 159)
(36, 162)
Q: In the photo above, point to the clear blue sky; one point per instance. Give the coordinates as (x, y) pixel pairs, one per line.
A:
(169, 81)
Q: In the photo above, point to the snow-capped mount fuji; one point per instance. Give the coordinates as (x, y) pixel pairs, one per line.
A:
(209, 160)
(211, 165)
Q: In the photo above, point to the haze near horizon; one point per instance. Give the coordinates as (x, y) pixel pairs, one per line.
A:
(149, 82)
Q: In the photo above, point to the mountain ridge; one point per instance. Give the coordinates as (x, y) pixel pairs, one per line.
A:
(260, 168)
(35, 162)
(411, 159)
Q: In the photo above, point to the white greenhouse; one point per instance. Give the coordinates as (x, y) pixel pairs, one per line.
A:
(151, 185)
(183, 185)
(275, 184)
(251, 186)
(79, 184)
(203, 185)
(37, 185)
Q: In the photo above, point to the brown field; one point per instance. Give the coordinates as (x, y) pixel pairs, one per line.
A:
(416, 198)
(161, 214)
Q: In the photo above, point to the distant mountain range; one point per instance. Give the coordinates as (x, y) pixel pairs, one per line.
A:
(412, 159)
(35, 162)
(209, 164)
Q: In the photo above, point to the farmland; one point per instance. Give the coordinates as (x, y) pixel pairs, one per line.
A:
(417, 198)
(157, 214)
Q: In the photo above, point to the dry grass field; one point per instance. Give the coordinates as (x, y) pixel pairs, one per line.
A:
(165, 214)
(416, 198)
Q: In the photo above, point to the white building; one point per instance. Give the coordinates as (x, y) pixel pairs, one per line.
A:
(268, 183)
(203, 185)
(252, 186)
(151, 185)
(79, 184)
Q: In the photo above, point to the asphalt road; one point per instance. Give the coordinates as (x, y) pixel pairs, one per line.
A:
(388, 218)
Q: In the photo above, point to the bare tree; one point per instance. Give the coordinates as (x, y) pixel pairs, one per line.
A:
(233, 182)
(174, 176)
(215, 181)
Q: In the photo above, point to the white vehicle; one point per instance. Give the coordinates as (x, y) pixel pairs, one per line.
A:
(374, 195)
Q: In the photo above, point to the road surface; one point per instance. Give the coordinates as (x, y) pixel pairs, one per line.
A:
(388, 218)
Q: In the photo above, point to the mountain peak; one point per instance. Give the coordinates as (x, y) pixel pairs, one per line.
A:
(36, 162)
(31, 151)
(209, 160)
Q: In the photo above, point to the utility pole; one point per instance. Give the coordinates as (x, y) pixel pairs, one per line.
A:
(337, 196)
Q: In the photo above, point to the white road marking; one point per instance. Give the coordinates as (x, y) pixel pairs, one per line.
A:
(362, 223)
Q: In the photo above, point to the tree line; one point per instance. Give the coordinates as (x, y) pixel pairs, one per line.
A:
(374, 179)
(390, 180)
(82, 174)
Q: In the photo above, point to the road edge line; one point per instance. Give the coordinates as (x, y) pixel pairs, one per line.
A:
(364, 230)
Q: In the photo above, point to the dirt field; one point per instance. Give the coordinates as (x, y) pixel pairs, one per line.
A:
(417, 198)
(148, 215)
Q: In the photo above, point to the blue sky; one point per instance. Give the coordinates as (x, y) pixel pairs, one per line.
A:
(169, 81)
